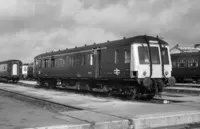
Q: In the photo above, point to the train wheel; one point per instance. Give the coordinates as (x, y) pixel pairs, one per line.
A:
(41, 83)
(160, 85)
(105, 89)
(87, 87)
(150, 97)
(15, 81)
(198, 81)
(109, 93)
(134, 94)
(78, 85)
(171, 81)
(52, 84)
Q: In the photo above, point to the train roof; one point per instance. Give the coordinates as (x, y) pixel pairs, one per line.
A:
(186, 54)
(9, 60)
(121, 42)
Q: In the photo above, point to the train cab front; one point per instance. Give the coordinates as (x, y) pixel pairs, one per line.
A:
(151, 63)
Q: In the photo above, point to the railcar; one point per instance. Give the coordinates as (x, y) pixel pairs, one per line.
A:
(27, 72)
(24, 71)
(136, 66)
(10, 70)
(186, 66)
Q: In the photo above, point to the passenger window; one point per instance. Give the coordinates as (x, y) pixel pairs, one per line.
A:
(193, 63)
(182, 63)
(67, 60)
(196, 62)
(78, 60)
(83, 60)
(87, 59)
(174, 64)
(43, 63)
(53, 62)
(116, 56)
(40, 63)
(46, 63)
(127, 56)
(36, 62)
(73, 61)
(59, 62)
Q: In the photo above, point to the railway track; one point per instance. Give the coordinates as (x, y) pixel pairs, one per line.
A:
(156, 100)
(39, 102)
(60, 108)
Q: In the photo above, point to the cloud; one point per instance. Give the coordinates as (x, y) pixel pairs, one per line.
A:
(16, 8)
(25, 45)
(31, 27)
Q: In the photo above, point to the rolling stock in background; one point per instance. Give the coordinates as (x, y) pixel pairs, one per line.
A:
(186, 64)
(136, 66)
(10, 70)
(27, 71)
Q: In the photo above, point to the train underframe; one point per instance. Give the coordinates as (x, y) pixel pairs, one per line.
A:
(9, 79)
(133, 89)
(191, 79)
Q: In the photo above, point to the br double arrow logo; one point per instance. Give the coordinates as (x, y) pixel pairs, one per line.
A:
(117, 71)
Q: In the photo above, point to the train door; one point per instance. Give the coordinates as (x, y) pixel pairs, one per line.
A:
(14, 69)
(97, 62)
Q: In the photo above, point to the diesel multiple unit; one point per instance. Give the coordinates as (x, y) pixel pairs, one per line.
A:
(136, 66)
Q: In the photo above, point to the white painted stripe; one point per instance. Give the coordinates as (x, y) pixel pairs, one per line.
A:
(61, 127)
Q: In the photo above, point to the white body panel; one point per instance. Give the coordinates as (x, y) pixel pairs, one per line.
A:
(14, 69)
(141, 68)
(24, 69)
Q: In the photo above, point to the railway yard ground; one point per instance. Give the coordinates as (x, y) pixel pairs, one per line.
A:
(185, 88)
(26, 107)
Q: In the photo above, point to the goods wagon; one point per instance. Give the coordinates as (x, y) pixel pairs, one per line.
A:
(136, 66)
(10, 70)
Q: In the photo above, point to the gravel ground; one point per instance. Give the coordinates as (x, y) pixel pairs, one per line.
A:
(37, 103)
(15, 114)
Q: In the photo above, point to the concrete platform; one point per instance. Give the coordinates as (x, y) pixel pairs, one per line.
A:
(28, 82)
(109, 113)
(15, 114)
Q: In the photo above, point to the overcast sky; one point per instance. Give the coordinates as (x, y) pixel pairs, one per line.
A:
(31, 27)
